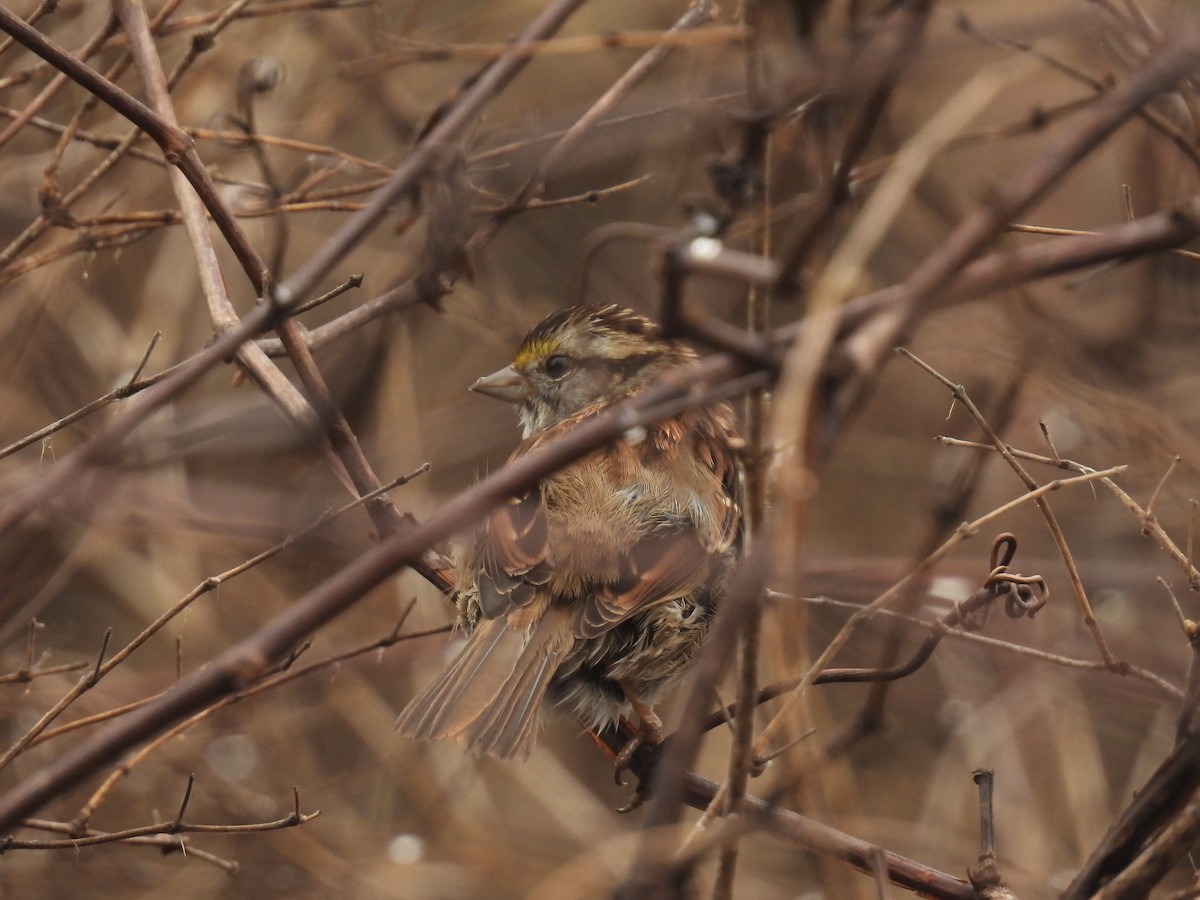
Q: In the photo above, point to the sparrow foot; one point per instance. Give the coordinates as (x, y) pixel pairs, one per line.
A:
(649, 731)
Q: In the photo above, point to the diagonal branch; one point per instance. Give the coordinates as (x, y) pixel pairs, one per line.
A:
(867, 349)
(248, 659)
(493, 78)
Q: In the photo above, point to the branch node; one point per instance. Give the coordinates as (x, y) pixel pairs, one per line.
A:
(95, 674)
(177, 825)
(986, 878)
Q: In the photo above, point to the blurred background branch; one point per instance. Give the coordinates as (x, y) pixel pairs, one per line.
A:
(795, 187)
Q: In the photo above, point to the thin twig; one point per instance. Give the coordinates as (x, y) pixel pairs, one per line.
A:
(253, 655)
(413, 51)
(24, 676)
(468, 105)
(756, 163)
(1089, 617)
(1075, 232)
(1156, 531)
(868, 347)
(271, 681)
(165, 843)
(1175, 458)
(94, 838)
(940, 628)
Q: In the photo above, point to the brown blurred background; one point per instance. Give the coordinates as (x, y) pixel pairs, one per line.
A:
(1106, 358)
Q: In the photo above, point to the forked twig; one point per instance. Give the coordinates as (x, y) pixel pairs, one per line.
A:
(1089, 617)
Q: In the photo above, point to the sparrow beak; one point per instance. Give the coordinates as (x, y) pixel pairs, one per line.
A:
(507, 384)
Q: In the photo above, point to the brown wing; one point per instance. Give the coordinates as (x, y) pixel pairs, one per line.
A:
(513, 546)
(660, 567)
(672, 562)
(715, 447)
(677, 559)
(512, 552)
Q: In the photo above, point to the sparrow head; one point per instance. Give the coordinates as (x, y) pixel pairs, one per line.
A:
(580, 357)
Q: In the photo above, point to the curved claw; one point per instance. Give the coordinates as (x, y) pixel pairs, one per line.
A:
(638, 798)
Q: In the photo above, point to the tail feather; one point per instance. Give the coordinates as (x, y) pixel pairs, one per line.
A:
(508, 727)
(491, 696)
(467, 687)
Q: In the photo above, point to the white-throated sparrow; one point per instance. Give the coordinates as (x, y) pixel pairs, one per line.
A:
(596, 587)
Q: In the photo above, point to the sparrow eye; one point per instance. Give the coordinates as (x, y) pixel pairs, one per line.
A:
(557, 366)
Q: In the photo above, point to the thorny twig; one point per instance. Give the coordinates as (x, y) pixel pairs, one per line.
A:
(40, 730)
(1085, 606)
(32, 669)
(1150, 523)
(285, 674)
(177, 826)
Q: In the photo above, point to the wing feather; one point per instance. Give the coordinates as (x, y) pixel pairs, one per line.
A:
(661, 567)
(513, 549)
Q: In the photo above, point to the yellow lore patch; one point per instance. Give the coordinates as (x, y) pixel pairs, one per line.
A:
(534, 351)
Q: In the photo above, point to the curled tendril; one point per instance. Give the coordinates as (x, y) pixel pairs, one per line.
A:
(1004, 548)
(1024, 595)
